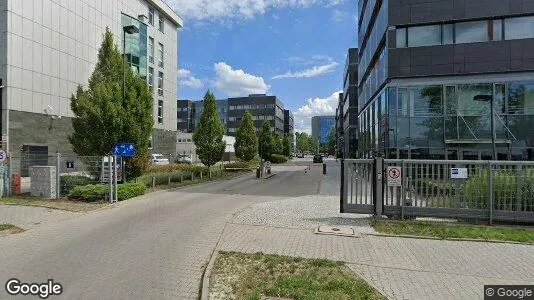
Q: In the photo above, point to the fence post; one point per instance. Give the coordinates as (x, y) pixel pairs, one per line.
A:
(210, 174)
(519, 183)
(58, 174)
(342, 192)
(378, 199)
(153, 181)
(168, 179)
(402, 189)
(9, 174)
(200, 175)
(181, 178)
(490, 187)
(110, 178)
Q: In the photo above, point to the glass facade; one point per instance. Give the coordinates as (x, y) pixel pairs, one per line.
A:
(136, 45)
(450, 122)
(325, 126)
(466, 32)
(221, 108)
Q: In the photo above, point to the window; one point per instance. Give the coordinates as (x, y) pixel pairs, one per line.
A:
(424, 36)
(231, 119)
(151, 15)
(521, 98)
(160, 83)
(160, 52)
(401, 37)
(160, 111)
(150, 77)
(497, 30)
(519, 28)
(151, 49)
(471, 32)
(231, 129)
(448, 34)
(161, 23)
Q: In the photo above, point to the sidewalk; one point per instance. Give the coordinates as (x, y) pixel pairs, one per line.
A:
(401, 268)
(27, 217)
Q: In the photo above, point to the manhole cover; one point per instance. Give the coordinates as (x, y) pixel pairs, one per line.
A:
(342, 231)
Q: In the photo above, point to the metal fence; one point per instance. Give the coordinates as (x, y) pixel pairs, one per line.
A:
(66, 172)
(477, 190)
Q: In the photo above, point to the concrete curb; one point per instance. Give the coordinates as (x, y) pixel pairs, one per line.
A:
(205, 290)
(448, 239)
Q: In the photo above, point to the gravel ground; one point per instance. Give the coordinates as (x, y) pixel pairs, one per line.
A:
(306, 212)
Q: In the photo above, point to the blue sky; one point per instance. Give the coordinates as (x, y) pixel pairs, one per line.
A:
(294, 49)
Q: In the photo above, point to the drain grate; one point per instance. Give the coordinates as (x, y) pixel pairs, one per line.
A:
(341, 231)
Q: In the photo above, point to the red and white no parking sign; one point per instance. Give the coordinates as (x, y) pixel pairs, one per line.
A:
(394, 176)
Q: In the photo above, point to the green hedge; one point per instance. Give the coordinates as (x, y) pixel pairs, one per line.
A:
(279, 159)
(68, 182)
(508, 189)
(97, 192)
(177, 167)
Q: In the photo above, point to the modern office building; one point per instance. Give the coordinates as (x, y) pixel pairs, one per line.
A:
(429, 72)
(261, 106)
(48, 48)
(289, 123)
(222, 109)
(349, 109)
(321, 127)
(184, 116)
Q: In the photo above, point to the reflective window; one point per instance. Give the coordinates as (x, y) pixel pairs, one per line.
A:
(160, 83)
(150, 77)
(521, 98)
(401, 37)
(160, 111)
(425, 101)
(448, 34)
(135, 46)
(402, 99)
(519, 28)
(160, 53)
(151, 15)
(151, 49)
(497, 30)
(161, 23)
(470, 32)
(469, 104)
(424, 36)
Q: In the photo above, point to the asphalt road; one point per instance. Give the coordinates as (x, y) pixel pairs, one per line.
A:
(155, 247)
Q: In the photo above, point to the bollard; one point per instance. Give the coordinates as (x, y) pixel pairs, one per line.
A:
(324, 168)
(200, 175)
(153, 182)
(258, 174)
(169, 179)
(210, 174)
(181, 178)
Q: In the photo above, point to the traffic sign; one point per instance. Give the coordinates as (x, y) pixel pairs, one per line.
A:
(124, 149)
(3, 156)
(394, 176)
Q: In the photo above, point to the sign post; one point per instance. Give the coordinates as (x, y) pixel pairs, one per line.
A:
(123, 150)
(394, 176)
(3, 156)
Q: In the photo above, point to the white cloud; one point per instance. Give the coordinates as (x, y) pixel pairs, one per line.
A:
(237, 82)
(232, 9)
(315, 107)
(186, 79)
(311, 72)
(338, 15)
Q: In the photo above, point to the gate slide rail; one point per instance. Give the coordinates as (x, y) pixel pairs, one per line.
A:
(467, 189)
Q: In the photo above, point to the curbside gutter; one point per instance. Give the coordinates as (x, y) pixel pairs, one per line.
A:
(205, 280)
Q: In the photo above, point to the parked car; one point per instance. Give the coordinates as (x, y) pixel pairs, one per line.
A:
(159, 159)
(317, 158)
(184, 159)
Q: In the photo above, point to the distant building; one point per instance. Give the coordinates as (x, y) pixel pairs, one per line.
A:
(185, 145)
(261, 106)
(349, 108)
(184, 116)
(289, 123)
(321, 127)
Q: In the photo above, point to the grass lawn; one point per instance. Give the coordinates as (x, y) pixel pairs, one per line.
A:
(254, 276)
(10, 228)
(445, 231)
(55, 204)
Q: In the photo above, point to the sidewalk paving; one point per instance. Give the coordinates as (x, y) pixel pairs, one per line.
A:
(401, 268)
(28, 217)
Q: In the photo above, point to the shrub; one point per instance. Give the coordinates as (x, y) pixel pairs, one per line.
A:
(97, 192)
(130, 190)
(177, 167)
(163, 178)
(278, 159)
(89, 193)
(68, 182)
(508, 190)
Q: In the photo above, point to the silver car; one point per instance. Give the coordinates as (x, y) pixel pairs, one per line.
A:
(159, 159)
